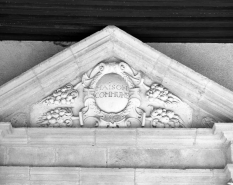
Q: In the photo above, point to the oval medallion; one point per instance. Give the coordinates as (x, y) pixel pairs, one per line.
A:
(112, 93)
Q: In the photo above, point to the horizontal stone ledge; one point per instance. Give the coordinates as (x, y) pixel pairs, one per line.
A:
(119, 137)
(116, 176)
(71, 156)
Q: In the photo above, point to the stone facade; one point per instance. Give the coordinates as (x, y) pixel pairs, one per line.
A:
(111, 102)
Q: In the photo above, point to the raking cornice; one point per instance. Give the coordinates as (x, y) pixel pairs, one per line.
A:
(70, 64)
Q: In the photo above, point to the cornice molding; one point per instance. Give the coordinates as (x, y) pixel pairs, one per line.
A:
(216, 137)
(74, 175)
(69, 64)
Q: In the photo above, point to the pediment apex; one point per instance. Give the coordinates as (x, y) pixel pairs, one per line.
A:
(111, 44)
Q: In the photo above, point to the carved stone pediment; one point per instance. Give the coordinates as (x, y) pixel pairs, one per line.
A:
(113, 94)
(111, 79)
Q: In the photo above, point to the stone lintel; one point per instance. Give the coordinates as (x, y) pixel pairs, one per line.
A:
(129, 176)
(123, 137)
(169, 148)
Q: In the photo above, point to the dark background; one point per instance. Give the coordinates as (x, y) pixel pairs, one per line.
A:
(150, 21)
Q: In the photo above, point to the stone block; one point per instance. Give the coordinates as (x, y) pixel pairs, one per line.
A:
(31, 156)
(14, 173)
(106, 176)
(61, 136)
(45, 156)
(206, 139)
(177, 177)
(18, 136)
(14, 182)
(111, 176)
(158, 138)
(110, 138)
(53, 183)
(228, 153)
(2, 155)
(5, 129)
(82, 157)
(54, 174)
(166, 158)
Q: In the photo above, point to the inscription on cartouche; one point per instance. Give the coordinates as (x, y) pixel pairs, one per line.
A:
(111, 93)
(112, 90)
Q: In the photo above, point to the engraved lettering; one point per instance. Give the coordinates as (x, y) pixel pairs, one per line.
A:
(111, 93)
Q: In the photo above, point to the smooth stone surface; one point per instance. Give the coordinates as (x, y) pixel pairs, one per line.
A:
(26, 156)
(162, 158)
(136, 148)
(111, 176)
(111, 93)
(85, 157)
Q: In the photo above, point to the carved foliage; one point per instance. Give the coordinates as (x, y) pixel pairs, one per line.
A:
(65, 95)
(112, 98)
(162, 118)
(19, 119)
(208, 122)
(159, 92)
(59, 117)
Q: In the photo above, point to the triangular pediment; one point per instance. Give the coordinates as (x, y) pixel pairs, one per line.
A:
(203, 101)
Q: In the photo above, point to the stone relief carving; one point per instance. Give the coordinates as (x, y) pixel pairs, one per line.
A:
(19, 119)
(208, 122)
(59, 117)
(64, 95)
(111, 95)
(162, 118)
(159, 92)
